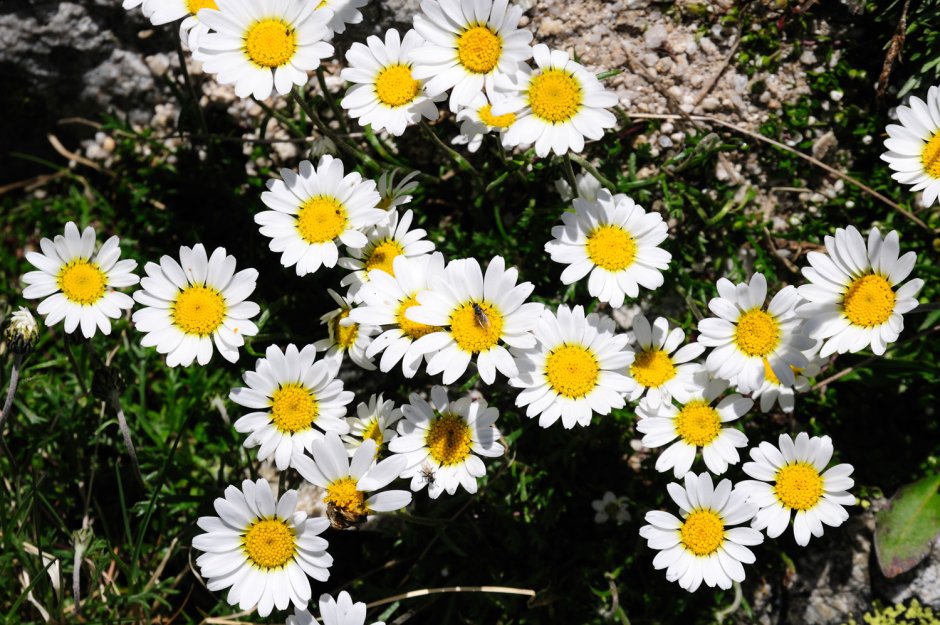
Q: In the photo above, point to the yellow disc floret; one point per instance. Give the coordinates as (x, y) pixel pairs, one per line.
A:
(195, 6)
(572, 371)
(270, 43)
(495, 121)
(799, 486)
(869, 301)
(412, 329)
(698, 423)
(270, 543)
(374, 431)
(343, 494)
(383, 256)
(555, 96)
(395, 86)
(82, 281)
(198, 310)
(322, 218)
(479, 49)
(611, 248)
(757, 333)
(652, 368)
(293, 408)
(344, 336)
(476, 326)
(930, 157)
(702, 532)
(448, 439)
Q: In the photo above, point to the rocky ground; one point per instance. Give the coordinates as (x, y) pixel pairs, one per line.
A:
(88, 57)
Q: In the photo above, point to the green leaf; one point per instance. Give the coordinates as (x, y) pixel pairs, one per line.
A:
(905, 530)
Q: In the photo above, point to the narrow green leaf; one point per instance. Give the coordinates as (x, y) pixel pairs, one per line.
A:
(905, 530)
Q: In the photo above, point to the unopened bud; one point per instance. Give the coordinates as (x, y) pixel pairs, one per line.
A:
(22, 332)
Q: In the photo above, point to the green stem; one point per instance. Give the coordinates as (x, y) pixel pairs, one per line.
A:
(367, 160)
(189, 85)
(593, 171)
(328, 96)
(126, 435)
(460, 161)
(569, 173)
(288, 122)
(78, 373)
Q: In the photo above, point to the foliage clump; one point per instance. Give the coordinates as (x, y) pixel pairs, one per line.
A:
(899, 614)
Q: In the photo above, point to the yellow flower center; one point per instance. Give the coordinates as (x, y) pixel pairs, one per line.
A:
(757, 333)
(344, 336)
(374, 431)
(270, 43)
(555, 96)
(702, 532)
(194, 6)
(771, 377)
(412, 329)
(383, 256)
(395, 86)
(198, 310)
(799, 486)
(448, 439)
(931, 156)
(293, 408)
(572, 371)
(476, 326)
(270, 543)
(495, 121)
(343, 494)
(322, 218)
(611, 247)
(479, 49)
(869, 301)
(652, 368)
(82, 282)
(698, 423)
(322, 4)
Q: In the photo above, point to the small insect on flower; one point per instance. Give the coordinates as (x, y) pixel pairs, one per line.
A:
(427, 474)
(480, 317)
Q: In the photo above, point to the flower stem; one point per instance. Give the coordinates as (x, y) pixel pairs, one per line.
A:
(189, 86)
(569, 173)
(78, 373)
(461, 162)
(11, 389)
(367, 160)
(328, 96)
(126, 434)
(593, 171)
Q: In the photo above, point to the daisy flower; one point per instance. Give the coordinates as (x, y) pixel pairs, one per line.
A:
(855, 296)
(476, 119)
(470, 42)
(373, 421)
(344, 12)
(295, 399)
(263, 549)
(914, 146)
(793, 478)
(341, 611)
(346, 337)
(443, 441)
(745, 334)
(77, 284)
(162, 12)
(347, 482)
(661, 372)
(392, 194)
(477, 314)
(615, 241)
(610, 506)
(386, 299)
(557, 106)
(263, 45)
(386, 242)
(385, 94)
(697, 424)
(311, 213)
(193, 303)
(577, 368)
(772, 391)
(702, 545)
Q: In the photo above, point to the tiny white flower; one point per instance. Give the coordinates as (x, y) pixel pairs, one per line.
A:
(610, 506)
(660, 368)
(346, 336)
